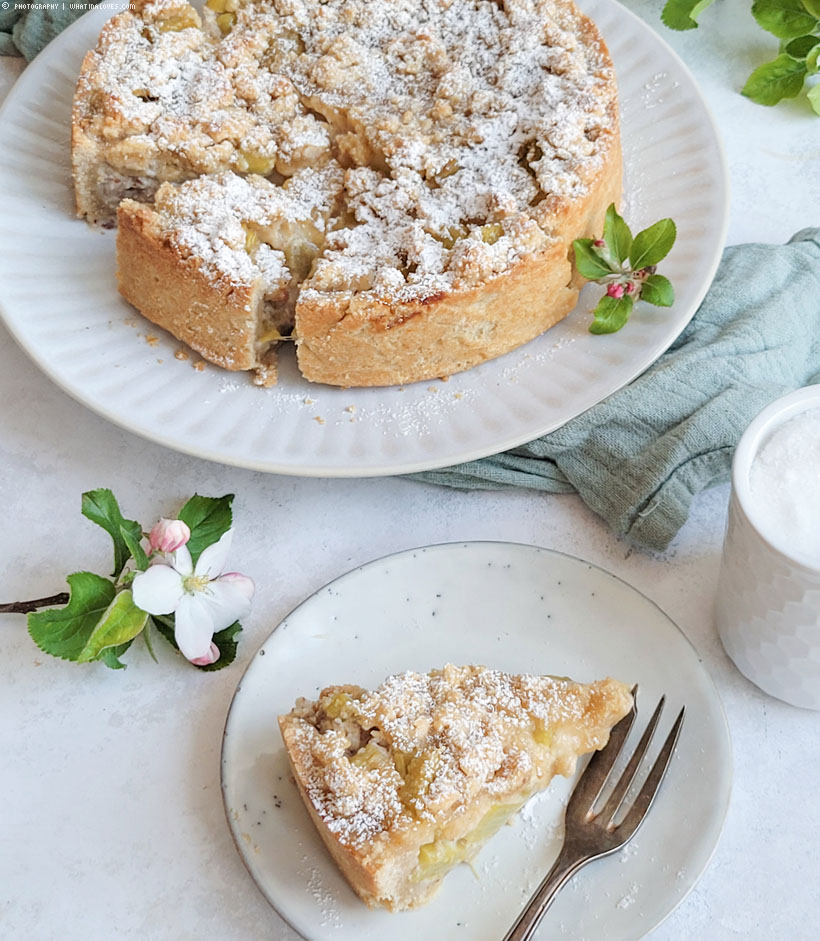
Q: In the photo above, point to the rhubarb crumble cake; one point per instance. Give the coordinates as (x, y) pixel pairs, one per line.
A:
(407, 781)
(471, 141)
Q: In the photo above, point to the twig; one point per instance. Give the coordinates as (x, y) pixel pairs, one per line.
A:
(24, 607)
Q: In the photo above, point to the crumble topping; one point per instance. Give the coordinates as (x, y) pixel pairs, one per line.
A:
(243, 228)
(421, 746)
(456, 165)
(166, 98)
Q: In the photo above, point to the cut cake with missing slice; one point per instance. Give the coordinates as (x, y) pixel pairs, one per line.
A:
(479, 139)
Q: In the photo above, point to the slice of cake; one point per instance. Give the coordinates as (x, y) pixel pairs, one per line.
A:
(407, 781)
(216, 260)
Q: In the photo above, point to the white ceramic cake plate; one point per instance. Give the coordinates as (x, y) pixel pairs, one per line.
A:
(512, 607)
(60, 302)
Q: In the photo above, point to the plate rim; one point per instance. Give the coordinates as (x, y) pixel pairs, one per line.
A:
(384, 466)
(727, 754)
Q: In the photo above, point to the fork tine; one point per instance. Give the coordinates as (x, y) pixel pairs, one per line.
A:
(616, 798)
(594, 776)
(643, 801)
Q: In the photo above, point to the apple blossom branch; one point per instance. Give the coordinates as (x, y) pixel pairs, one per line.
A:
(170, 581)
(24, 607)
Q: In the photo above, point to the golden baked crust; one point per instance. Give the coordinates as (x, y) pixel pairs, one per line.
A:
(406, 781)
(466, 179)
(219, 320)
(216, 261)
(350, 338)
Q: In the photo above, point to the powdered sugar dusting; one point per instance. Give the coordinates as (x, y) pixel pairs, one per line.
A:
(331, 917)
(423, 747)
(165, 98)
(237, 227)
(628, 900)
(458, 164)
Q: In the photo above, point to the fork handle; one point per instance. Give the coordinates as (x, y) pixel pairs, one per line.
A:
(529, 919)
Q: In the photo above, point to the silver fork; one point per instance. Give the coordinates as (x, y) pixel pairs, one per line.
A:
(589, 835)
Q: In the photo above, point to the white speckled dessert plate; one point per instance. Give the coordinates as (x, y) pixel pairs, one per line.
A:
(60, 302)
(512, 607)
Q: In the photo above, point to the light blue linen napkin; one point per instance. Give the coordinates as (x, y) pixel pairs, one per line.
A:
(639, 457)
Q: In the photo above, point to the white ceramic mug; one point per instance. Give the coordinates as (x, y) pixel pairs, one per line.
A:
(768, 600)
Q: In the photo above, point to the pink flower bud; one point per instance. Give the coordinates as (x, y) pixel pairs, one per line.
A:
(168, 535)
(210, 657)
(599, 243)
(241, 583)
(615, 290)
(630, 287)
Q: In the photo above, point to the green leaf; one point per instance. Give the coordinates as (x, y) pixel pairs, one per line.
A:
(101, 507)
(208, 518)
(64, 632)
(120, 624)
(786, 19)
(684, 14)
(146, 636)
(813, 6)
(111, 656)
(699, 8)
(611, 314)
(226, 640)
(801, 47)
(658, 290)
(131, 533)
(653, 244)
(781, 78)
(617, 235)
(812, 63)
(164, 623)
(814, 98)
(588, 262)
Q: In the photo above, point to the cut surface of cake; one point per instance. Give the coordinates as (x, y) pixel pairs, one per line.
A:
(216, 260)
(407, 781)
(478, 139)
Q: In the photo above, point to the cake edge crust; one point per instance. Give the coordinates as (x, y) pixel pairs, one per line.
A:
(357, 341)
(216, 318)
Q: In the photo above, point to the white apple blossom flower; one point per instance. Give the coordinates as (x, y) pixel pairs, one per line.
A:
(168, 535)
(203, 598)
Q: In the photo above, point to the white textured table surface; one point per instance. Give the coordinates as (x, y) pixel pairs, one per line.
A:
(112, 822)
